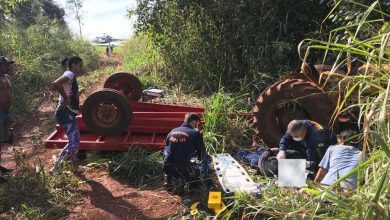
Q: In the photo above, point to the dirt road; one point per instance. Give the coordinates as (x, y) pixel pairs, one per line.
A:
(103, 196)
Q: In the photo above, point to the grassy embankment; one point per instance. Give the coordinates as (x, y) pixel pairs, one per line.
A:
(31, 192)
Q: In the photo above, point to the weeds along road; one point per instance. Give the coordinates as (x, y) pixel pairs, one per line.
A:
(101, 195)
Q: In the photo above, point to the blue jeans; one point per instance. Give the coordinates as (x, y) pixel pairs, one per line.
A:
(67, 121)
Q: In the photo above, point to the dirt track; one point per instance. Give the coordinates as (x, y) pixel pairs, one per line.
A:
(104, 197)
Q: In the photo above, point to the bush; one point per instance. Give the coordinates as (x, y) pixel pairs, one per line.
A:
(142, 60)
(208, 44)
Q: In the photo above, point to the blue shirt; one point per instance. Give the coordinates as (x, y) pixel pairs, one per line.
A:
(182, 144)
(313, 146)
(338, 161)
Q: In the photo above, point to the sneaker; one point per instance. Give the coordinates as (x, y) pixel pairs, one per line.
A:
(5, 171)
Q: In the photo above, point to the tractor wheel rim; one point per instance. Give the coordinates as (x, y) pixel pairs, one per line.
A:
(105, 114)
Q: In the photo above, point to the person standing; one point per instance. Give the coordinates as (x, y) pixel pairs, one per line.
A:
(67, 109)
(5, 105)
(107, 51)
(112, 48)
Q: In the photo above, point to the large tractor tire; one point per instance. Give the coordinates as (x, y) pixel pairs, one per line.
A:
(126, 83)
(287, 100)
(107, 112)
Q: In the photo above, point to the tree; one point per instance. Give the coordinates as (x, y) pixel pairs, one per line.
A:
(27, 12)
(229, 43)
(53, 11)
(7, 6)
(75, 6)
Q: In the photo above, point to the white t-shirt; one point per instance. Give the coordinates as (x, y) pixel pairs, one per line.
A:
(68, 88)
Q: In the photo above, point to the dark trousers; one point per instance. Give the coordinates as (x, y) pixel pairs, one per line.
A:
(268, 164)
(181, 172)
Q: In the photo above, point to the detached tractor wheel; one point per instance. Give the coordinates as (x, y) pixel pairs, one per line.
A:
(107, 112)
(126, 83)
(287, 100)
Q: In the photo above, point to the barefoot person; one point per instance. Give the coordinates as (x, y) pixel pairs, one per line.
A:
(67, 109)
(5, 105)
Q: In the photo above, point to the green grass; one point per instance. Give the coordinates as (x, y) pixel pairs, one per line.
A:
(138, 165)
(32, 193)
(101, 48)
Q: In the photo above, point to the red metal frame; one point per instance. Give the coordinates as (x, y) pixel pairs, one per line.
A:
(149, 126)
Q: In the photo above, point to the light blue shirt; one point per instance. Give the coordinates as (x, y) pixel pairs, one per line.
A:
(338, 161)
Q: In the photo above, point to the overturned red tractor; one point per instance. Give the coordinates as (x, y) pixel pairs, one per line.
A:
(113, 118)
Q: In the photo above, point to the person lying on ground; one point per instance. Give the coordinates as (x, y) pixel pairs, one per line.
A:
(339, 160)
(5, 105)
(182, 144)
(308, 140)
(67, 109)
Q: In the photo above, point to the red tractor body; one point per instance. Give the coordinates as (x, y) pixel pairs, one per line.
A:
(112, 121)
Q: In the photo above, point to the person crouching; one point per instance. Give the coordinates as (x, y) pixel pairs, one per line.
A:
(182, 144)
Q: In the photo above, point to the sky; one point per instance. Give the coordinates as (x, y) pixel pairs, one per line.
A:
(103, 16)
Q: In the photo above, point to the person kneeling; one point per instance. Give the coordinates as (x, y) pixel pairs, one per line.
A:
(339, 160)
(182, 144)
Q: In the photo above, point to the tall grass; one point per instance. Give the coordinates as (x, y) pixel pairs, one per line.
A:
(32, 193)
(368, 91)
(140, 59)
(225, 126)
(139, 165)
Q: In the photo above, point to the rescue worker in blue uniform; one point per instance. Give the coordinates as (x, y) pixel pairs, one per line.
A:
(182, 144)
(307, 140)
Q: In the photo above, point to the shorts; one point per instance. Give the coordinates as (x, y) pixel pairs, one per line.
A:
(5, 126)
